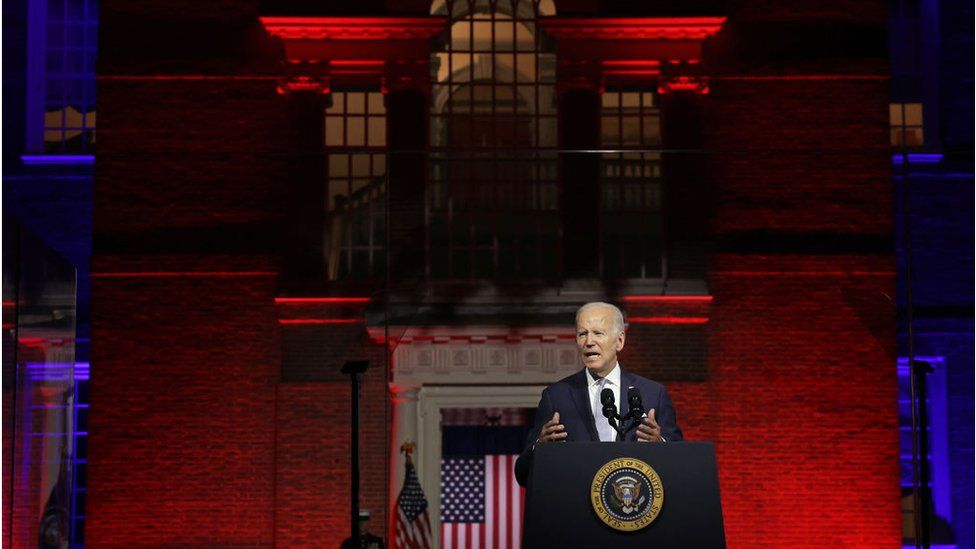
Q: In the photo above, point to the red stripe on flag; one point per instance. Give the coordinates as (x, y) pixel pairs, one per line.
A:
(496, 507)
(506, 489)
(483, 537)
(513, 510)
(504, 504)
(521, 517)
(489, 502)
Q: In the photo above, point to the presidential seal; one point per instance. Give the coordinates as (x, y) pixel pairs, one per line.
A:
(627, 494)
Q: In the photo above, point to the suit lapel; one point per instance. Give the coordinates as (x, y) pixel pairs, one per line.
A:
(581, 396)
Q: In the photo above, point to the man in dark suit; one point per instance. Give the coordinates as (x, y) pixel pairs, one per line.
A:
(570, 409)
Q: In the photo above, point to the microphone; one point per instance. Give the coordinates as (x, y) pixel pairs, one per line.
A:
(609, 408)
(634, 399)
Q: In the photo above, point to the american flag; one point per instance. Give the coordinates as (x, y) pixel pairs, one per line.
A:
(481, 503)
(413, 520)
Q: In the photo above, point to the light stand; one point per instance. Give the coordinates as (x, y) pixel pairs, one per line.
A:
(353, 369)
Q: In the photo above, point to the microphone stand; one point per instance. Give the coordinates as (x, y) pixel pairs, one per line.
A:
(610, 412)
(634, 416)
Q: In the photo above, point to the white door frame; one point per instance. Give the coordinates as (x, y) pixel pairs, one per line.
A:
(431, 400)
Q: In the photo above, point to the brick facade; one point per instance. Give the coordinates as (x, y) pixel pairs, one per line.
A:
(215, 424)
(185, 454)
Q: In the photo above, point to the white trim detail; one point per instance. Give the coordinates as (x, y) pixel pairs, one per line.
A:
(443, 361)
(430, 402)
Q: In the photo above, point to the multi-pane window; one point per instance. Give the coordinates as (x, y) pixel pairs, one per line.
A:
(632, 243)
(492, 201)
(355, 141)
(70, 33)
(906, 125)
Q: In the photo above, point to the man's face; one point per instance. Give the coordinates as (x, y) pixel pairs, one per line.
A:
(597, 340)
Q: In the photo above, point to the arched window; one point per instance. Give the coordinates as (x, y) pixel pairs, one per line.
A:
(492, 203)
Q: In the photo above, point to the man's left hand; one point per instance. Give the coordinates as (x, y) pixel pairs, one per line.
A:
(648, 430)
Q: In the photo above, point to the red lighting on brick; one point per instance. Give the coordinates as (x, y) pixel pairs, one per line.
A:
(667, 320)
(318, 321)
(32, 341)
(304, 83)
(321, 300)
(683, 83)
(353, 28)
(357, 63)
(183, 274)
(357, 67)
(667, 299)
(631, 63)
(808, 273)
(631, 67)
(636, 28)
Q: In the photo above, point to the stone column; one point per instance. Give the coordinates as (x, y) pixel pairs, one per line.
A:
(303, 219)
(407, 120)
(404, 397)
(687, 194)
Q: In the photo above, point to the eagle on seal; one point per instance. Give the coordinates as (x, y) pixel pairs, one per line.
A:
(627, 492)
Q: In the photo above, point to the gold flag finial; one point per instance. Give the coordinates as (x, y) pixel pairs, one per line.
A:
(407, 449)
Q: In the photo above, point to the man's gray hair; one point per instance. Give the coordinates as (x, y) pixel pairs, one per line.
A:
(618, 315)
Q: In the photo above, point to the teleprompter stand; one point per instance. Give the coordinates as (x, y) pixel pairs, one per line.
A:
(559, 512)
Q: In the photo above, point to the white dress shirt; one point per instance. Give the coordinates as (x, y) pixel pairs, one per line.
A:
(596, 386)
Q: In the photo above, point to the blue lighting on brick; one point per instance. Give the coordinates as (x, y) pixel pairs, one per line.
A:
(58, 159)
(917, 158)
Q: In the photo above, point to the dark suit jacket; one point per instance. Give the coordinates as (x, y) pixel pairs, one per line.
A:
(571, 398)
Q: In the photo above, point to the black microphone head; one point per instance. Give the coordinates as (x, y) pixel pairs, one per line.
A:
(634, 399)
(609, 408)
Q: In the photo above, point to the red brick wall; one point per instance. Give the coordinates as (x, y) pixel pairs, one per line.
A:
(801, 348)
(807, 440)
(801, 391)
(188, 153)
(182, 411)
(797, 154)
(199, 444)
(195, 442)
(312, 469)
(800, 401)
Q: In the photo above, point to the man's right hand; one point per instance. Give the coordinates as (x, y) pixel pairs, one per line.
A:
(553, 430)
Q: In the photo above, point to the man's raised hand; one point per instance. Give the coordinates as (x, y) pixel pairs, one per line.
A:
(648, 430)
(552, 430)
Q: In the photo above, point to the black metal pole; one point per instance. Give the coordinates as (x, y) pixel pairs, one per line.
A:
(904, 173)
(925, 496)
(353, 369)
(354, 492)
(912, 372)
